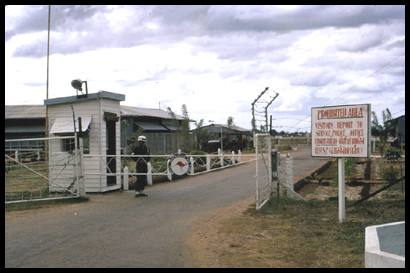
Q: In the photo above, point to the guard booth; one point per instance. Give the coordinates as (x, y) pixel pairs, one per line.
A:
(100, 125)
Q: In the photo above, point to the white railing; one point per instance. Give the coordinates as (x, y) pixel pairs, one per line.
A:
(159, 164)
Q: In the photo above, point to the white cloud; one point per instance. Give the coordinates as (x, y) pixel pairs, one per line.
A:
(214, 59)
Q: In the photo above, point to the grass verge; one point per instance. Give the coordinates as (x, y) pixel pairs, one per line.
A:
(289, 233)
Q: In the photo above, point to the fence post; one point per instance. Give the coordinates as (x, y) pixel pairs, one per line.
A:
(289, 174)
(125, 187)
(233, 158)
(192, 165)
(149, 175)
(169, 172)
(239, 156)
(221, 157)
(275, 176)
(208, 162)
(16, 155)
(81, 181)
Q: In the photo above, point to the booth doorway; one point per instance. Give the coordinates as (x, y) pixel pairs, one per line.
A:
(111, 149)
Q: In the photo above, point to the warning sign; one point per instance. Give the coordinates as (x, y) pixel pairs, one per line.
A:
(341, 131)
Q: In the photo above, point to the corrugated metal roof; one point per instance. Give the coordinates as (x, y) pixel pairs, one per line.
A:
(147, 112)
(24, 111)
(25, 129)
(171, 127)
(65, 125)
(217, 127)
(39, 111)
(149, 126)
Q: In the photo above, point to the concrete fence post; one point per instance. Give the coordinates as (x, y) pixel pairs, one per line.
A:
(149, 175)
(208, 162)
(239, 156)
(168, 171)
(233, 158)
(192, 165)
(289, 174)
(221, 157)
(126, 184)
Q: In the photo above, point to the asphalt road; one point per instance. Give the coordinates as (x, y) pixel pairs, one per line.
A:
(119, 230)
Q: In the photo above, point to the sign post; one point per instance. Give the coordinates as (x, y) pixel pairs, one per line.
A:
(341, 131)
(342, 204)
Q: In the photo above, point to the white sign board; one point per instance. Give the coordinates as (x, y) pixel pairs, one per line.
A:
(341, 131)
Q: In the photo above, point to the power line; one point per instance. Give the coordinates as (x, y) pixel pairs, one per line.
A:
(366, 77)
(399, 111)
(357, 85)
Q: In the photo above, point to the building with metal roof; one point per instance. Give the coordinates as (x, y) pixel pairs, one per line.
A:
(24, 121)
(28, 121)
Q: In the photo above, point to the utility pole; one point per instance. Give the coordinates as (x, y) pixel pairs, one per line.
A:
(48, 53)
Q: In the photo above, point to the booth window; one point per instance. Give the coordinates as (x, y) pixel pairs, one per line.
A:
(68, 144)
(63, 126)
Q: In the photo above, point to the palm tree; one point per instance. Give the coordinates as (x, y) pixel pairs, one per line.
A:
(382, 130)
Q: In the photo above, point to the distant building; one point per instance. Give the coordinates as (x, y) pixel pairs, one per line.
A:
(216, 128)
(29, 121)
(24, 121)
(156, 124)
(398, 139)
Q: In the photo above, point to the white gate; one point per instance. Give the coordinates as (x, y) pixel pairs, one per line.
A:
(263, 169)
(29, 176)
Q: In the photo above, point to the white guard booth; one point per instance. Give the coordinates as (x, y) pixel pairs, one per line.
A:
(100, 124)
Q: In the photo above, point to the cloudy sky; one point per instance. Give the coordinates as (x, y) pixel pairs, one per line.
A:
(215, 59)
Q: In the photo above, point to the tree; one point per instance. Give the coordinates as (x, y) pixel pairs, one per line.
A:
(132, 141)
(183, 127)
(202, 134)
(382, 130)
(230, 122)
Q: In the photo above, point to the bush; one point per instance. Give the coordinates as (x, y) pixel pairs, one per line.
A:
(392, 154)
(389, 174)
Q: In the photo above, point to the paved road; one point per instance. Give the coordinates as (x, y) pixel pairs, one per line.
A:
(118, 230)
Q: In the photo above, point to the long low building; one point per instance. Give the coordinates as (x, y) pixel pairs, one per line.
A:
(29, 121)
